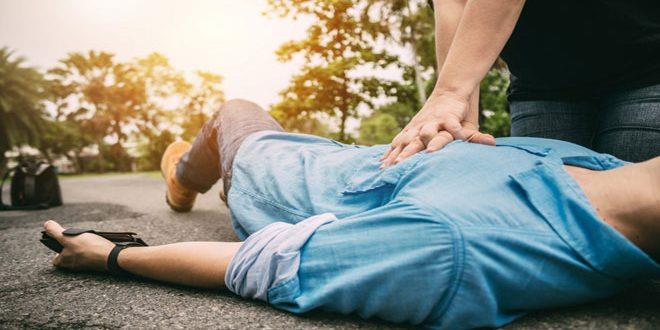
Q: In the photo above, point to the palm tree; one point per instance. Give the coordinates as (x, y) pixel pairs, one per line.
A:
(21, 107)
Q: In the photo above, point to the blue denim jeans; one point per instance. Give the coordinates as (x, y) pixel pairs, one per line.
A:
(213, 151)
(469, 236)
(624, 124)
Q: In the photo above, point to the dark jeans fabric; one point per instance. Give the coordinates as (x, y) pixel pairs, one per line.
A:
(215, 146)
(624, 124)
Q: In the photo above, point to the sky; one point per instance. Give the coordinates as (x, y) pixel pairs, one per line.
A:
(229, 37)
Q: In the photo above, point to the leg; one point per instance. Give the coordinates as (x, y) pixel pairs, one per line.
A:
(629, 124)
(628, 199)
(213, 151)
(571, 121)
(189, 170)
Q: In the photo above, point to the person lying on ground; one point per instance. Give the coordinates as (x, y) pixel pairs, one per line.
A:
(468, 236)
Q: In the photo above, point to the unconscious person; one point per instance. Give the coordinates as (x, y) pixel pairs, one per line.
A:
(467, 236)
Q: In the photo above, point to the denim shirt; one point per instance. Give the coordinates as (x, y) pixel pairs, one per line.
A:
(468, 236)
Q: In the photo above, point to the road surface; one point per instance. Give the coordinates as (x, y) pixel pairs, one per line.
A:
(33, 294)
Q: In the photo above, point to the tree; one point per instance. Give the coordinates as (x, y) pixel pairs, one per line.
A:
(407, 25)
(335, 46)
(112, 105)
(383, 27)
(173, 103)
(152, 150)
(165, 88)
(387, 121)
(64, 138)
(103, 96)
(203, 98)
(378, 128)
(21, 108)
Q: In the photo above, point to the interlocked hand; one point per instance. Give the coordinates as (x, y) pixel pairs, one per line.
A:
(443, 119)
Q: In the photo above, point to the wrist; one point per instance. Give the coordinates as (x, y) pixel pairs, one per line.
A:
(454, 86)
(112, 263)
(125, 260)
(450, 94)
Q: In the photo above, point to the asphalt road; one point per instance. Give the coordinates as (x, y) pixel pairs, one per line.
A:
(35, 295)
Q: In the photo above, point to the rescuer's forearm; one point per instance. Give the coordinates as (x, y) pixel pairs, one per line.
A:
(484, 28)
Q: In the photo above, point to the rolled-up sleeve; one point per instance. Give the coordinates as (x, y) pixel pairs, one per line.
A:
(270, 256)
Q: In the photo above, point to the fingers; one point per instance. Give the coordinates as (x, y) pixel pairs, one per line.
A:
(391, 157)
(54, 230)
(453, 125)
(412, 148)
(57, 260)
(387, 153)
(399, 143)
(486, 139)
(392, 146)
(439, 141)
(429, 131)
(64, 260)
(475, 136)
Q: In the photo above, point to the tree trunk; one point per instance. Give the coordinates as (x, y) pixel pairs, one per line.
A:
(100, 159)
(419, 82)
(3, 165)
(421, 90)
(342, 125)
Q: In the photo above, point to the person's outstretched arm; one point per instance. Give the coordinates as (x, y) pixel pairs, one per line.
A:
(197, 264)
(483, 28)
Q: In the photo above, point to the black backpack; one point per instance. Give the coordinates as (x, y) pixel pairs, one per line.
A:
(34, 186)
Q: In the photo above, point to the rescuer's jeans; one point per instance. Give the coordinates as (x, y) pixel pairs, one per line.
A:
(625, 124)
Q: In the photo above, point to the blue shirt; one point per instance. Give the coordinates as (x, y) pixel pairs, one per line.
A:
(468, 236)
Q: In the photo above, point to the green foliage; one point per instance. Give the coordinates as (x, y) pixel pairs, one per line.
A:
(409, 25)
(336, 45)
(202, 99)
(346, 35)
(378, 129)
(105, 96)
(64, 138)
(403, 112)
(22, 90)
(300, 123)
(152, 150)
(99, 101)
(493, 105)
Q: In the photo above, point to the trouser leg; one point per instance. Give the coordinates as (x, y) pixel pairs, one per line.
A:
(629, 124)
(213, 151)
(571, 121)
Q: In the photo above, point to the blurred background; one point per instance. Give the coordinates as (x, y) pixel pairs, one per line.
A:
(105, 86)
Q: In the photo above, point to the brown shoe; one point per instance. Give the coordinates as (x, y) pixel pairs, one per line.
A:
(178, 197)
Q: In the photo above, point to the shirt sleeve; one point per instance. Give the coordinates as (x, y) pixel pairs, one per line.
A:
(270, 256)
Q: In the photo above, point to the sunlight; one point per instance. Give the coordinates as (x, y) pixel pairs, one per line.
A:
(101, 11)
